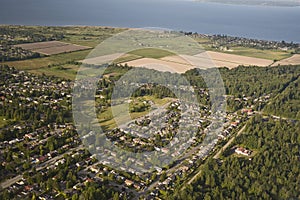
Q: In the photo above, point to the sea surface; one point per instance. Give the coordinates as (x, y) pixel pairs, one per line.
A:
(259, 22)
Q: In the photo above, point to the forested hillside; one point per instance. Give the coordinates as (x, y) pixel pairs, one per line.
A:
(271, 173)
(287, 104)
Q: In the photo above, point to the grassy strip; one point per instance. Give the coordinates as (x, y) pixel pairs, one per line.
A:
(255, 53)
(59, 59)
(152, 53)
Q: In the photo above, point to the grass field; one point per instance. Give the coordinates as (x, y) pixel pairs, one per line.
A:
(127, 58)
(55, 65)
(106, 119)
(294, 60)
(202, 41)
(151, 53)
(255, 53)
(246, 51)
(52, 47)
(89, 36)
(90, 41)
(93, 36)
(108, 123)
(160, 65)
(67, 71)
(159, 102)
(51, 60)
(182, 63)
(224, 59)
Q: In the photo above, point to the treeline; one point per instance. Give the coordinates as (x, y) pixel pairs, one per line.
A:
(151, 82)
(12, 53)
(258, 81)
(12, 35)
(242, 82)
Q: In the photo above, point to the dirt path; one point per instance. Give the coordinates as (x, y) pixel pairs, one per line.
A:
(228, 143)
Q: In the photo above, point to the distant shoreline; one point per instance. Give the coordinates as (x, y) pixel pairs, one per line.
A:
(254, 2)
(128, 28)
(275, 23)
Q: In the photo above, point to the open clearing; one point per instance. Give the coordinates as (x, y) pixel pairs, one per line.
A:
(183, 63)
(160, 65)
(269, 54)
(258, 53)
(116, 58)
(56, 65)
(224, 59)
(161, 60)
(52, 47)
(120, 58)
(67, 71)
(294, 60)
(106, 118)
(126, 58)
(151, 53)
(51, 60)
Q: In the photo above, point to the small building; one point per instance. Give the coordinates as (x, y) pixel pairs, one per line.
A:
(129, 182)
(94, 169)
(243, 151)
(137, 186)
(248, 111)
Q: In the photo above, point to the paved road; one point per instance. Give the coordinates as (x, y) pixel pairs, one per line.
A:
(175, 168)
(227, 145)
(217, 154)
(12, 181)
(53, 160)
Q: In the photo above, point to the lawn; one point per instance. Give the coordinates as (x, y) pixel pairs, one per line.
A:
(106, 119)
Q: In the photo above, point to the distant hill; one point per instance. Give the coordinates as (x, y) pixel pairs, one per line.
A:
(283, 3)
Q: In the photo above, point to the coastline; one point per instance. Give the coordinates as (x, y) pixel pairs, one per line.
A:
(253, 3)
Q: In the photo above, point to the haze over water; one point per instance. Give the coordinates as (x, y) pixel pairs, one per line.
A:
(261, 22)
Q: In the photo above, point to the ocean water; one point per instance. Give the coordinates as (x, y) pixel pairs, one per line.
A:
(261, 22)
